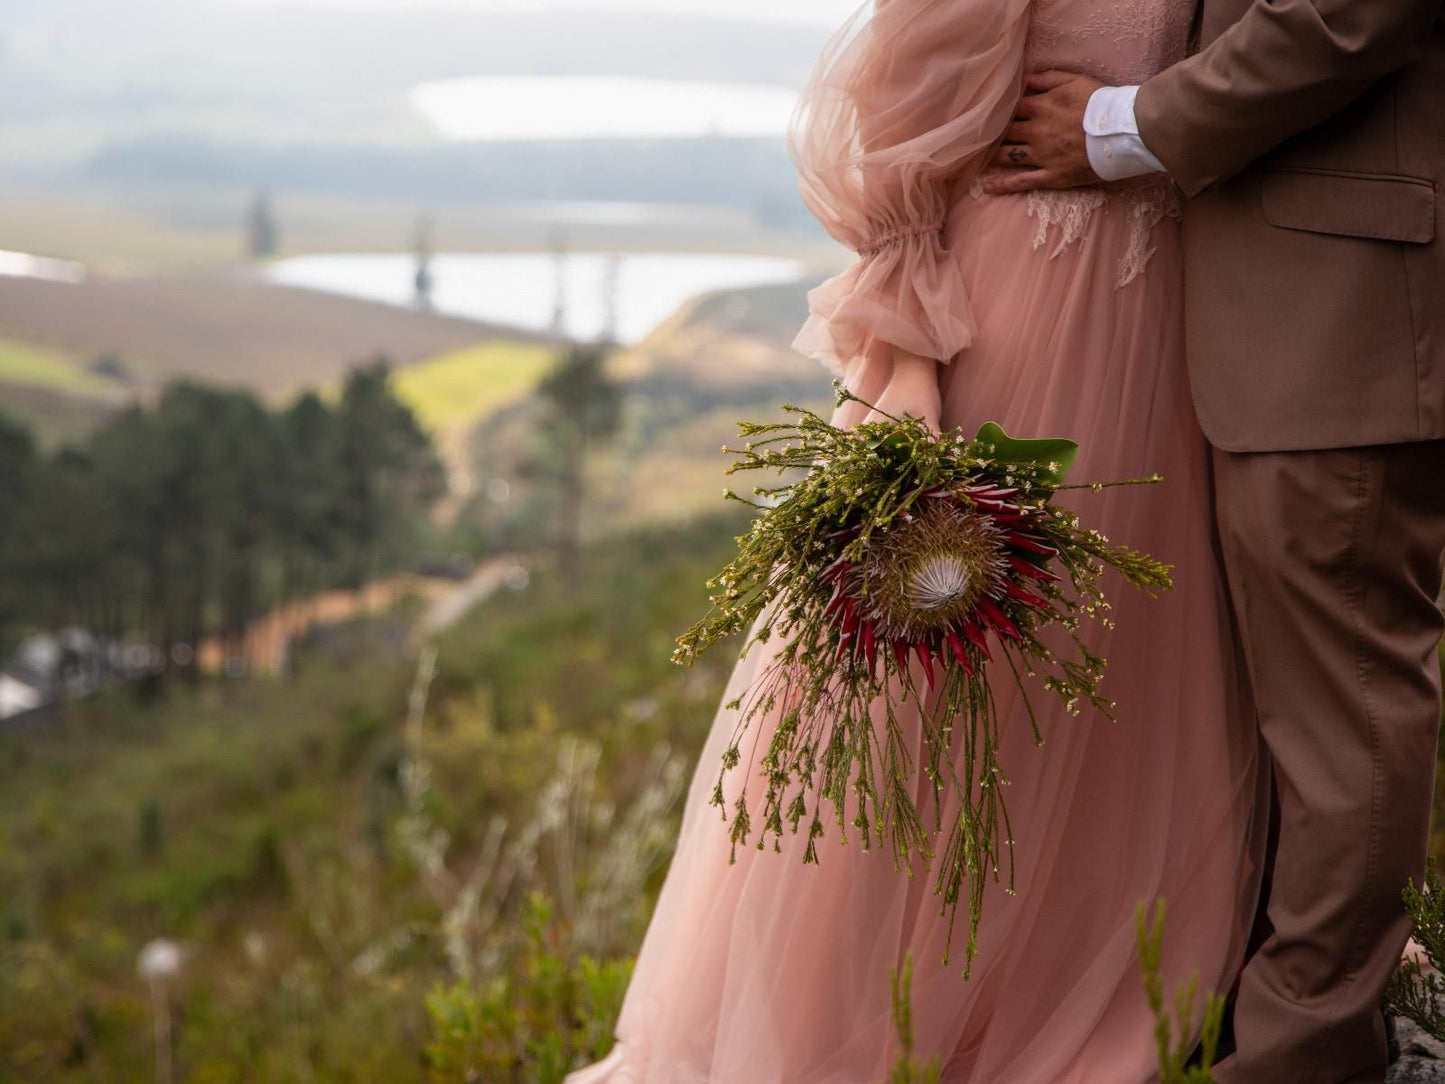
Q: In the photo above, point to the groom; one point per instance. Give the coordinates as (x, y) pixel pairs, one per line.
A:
(1309, 138)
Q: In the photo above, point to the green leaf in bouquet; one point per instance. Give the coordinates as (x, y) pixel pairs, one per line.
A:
(1039, 451)
(896, 447)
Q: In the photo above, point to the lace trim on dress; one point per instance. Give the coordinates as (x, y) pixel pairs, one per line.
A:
(1149, 207)
(1069, 209)
(1065, 214)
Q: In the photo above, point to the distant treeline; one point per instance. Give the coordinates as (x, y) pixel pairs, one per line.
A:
(190, 519)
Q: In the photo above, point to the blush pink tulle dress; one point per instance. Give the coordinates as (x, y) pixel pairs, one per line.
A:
(1058, 314)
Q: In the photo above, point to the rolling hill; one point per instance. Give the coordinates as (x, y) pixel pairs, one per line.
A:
(271, 340)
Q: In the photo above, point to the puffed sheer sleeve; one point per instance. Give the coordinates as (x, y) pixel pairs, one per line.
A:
(905, 103)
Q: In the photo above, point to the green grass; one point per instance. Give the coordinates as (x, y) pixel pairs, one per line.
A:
(37, 367)
(455, 391)
(258, 822)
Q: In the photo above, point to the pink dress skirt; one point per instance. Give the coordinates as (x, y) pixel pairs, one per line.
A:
(1067, 322)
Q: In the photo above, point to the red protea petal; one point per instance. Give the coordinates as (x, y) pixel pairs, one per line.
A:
(900, 653)
(1013, 590)
(998, 507)
(1026, 567)
(976, 637)
(960, 652)
(991, 493)
(998, 619)
(850, 617)
(1031, 544)
(926, 657)
(835, 602)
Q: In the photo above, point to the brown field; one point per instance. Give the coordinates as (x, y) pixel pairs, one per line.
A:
(272, 340)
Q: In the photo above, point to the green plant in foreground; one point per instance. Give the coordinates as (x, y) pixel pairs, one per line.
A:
(1174, 1054)
(906, 1070)
(554, 1014)
(1414, 992)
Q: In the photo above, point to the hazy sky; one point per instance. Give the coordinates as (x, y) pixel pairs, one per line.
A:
(829, 12)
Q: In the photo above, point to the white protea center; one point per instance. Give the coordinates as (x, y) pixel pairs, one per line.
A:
(938, 580)
(929, 571)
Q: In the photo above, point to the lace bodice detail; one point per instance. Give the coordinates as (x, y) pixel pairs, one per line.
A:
(905, 108)
(1064, 217)
(1119, 41)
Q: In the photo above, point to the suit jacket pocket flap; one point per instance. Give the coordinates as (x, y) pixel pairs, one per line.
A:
(1385, 207)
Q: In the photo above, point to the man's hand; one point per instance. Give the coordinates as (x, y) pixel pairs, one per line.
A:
(912, 389)
(1045, 146)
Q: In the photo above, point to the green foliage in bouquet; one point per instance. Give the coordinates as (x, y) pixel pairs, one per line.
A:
(1413, 991)
(897, 546)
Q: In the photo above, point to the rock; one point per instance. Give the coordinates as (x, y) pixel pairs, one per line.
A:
(1415, 1041)
(1422, 1058)
(1415, 1070)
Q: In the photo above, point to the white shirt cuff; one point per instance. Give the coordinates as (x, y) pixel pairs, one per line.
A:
(1111, 136)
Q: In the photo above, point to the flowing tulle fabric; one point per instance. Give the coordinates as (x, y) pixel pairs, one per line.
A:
(900, 113)
(769, 971)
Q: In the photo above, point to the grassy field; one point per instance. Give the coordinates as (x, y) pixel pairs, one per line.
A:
(271, 340)
(272, 828)
(455, 390)
(53, 394)
(52, 370)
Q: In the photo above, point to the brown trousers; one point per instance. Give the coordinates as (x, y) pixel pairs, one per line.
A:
(1334, 565)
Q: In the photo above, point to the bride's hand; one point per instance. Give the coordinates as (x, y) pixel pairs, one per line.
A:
(912, 389)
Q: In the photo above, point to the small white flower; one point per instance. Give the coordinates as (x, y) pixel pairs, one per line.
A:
(160, 960)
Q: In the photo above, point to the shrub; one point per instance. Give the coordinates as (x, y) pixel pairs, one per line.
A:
(551, 1014)
(1175, 1066)
(1414, 992)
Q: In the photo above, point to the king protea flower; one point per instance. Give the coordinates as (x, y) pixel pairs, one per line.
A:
(937, 581)
(900, 552)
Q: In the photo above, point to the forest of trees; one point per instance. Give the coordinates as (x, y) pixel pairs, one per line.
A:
(188, 520)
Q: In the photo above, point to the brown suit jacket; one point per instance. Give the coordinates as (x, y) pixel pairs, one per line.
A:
(1310, 136)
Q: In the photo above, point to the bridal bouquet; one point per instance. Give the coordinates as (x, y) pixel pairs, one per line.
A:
(897, 545)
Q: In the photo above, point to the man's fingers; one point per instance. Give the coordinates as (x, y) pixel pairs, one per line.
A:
(1019, 132)
(1012, 156)
(1042, 82)
(1024, 180)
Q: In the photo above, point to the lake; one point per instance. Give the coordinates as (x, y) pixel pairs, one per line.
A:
(631, 291)
(24, 265)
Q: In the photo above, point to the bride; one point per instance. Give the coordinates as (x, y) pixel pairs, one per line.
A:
(1054, 314)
